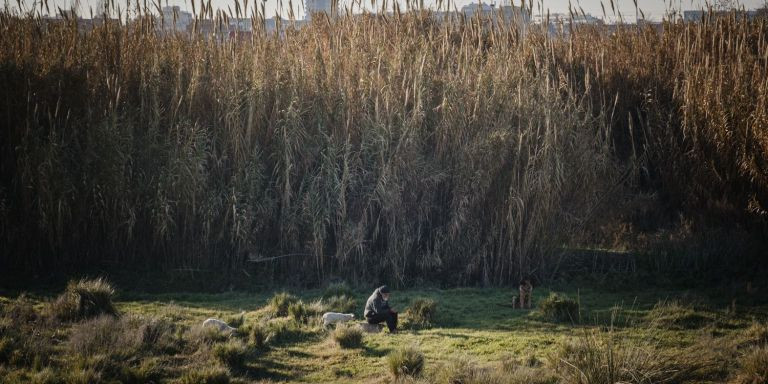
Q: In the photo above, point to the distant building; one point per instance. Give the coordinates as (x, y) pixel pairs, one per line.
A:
(174, 19)
(505, 11)
(699, 15)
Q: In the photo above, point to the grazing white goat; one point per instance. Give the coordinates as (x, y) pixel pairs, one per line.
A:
(333, 318)
(218, 324)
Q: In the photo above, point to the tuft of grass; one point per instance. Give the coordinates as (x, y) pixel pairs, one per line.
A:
(298, 311)
(233, 353)
(601, 359)
(206, 375)
(258, 335)
(559, 308)
(201, 335)
(422, 313)
(236, 321)
(462, 370)
(405, 362)
(348, 336)
(753, 367)
(676, 315)
(285, 330)
(84, 299)
(280, 302)
(757, 333)
(121, 337)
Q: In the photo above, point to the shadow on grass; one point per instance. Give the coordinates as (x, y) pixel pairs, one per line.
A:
(375, 352)
(270, 369)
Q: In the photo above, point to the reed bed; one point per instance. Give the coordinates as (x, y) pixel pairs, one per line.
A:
(368, 146)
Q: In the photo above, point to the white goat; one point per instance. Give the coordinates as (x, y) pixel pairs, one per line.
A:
(218, 324)
(333, 318)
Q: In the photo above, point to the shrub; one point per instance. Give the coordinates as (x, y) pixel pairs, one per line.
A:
(348, 336)
(674, 315)
(405, 361)
(343, 304)
(421, 312)
(279, 303)
(753, 367)
(297, 311)
(207, 375)
(337, 290)
(559, 308)
(84, 299)
(232, 353)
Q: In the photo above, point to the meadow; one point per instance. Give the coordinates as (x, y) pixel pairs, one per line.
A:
(468, 335)
(624, 168)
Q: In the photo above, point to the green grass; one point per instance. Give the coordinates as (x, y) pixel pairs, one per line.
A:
(477, 324)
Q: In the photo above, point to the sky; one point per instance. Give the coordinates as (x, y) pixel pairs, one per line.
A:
(652, 9)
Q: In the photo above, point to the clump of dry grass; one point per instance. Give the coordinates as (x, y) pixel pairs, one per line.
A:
(753, 366)
(348, 336)
(84, 299)
(601, 358)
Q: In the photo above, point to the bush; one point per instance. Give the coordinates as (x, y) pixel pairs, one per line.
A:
(209, 375)
(84, 299)
(342, 304)
(337, 290)
(559, 308)
(421, 313)
(405, 361)
(348, 336)
(674, 315)
(279, 303)
(753, 367)
(232, 353)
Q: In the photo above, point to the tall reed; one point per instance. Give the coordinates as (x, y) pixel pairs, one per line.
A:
(366, 146)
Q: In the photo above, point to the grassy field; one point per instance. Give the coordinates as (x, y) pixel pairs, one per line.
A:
(647, 335)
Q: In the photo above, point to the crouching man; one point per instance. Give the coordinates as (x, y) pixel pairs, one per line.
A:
(377, 309)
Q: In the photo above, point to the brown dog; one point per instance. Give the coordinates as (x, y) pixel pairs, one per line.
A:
(526, 291)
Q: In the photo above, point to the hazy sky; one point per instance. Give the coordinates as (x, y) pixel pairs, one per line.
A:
(653, 9)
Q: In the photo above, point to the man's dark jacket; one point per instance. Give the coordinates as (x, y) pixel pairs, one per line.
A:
(376, 304)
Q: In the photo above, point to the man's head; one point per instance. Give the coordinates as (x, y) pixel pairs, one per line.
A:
(384, 290)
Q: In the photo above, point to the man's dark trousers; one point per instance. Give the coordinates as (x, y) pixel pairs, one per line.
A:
(390, 317)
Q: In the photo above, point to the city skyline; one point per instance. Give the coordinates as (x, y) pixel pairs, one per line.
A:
(651, 10)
